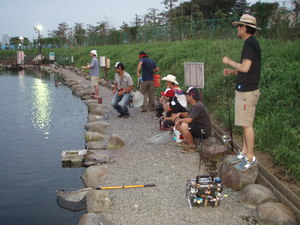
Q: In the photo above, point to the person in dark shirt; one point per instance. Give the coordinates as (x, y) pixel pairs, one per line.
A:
(195, 123)
(174, 107)
(247, 88)
(147, 87)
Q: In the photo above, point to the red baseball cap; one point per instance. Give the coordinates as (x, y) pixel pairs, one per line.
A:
(169, 93)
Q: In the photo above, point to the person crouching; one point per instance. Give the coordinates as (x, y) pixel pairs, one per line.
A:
(174, 107)
(195, 123)
(123, 84)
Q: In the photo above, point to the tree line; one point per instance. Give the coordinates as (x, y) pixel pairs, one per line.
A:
(174, 14)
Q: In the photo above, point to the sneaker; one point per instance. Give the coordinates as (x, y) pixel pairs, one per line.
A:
(237, 158)
(126, 116)
(182, 144)
(245, 164)
(143, 110)
(189, 149)
(120, 115)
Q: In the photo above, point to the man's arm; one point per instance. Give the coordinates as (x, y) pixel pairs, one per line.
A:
(156, 69)
(243, 67)
(181, 114)
(139, 69)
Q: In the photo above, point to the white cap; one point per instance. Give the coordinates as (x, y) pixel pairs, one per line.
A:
(94, 52)
(117, 63)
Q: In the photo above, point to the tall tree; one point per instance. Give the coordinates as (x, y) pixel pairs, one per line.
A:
(79, 33)
(152, 18)
(240, 7)
(169, 5)
(296, 4)
(263, 11)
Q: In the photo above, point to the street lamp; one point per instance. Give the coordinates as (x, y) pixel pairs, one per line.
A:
(21, 42)
(38, 28)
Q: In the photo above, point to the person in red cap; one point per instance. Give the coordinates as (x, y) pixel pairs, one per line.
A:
(194, 123)
(147, 87)
(174, 107)
(247, 92)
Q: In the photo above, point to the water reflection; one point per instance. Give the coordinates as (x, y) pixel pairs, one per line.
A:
(41, 106)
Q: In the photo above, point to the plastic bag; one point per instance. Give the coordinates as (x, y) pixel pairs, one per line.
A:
(138, 99)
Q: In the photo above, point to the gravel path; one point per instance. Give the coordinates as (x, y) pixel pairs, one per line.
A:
(165, 166)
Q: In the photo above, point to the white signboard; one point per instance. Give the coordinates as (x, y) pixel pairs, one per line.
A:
(52, 56)
(194, 74)
(102, 61)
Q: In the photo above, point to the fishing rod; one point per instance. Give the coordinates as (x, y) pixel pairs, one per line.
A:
(108, 188)
(229, 117)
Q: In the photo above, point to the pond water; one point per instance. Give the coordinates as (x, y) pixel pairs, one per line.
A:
(38, 121)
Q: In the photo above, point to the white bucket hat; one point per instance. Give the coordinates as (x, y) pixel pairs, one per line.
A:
(171, 78)
(247, 20)
(94, 52)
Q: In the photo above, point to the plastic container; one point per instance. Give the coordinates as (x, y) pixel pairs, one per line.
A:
(157, 80)
(178, 136)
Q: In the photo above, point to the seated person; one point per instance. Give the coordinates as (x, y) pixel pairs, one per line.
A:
(174, 107)
(195, 123)
(171, 84)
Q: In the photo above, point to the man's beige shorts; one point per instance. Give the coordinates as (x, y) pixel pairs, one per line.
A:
(94, 80)
(245, 105)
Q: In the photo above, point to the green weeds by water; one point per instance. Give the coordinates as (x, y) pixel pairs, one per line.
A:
(278, 112)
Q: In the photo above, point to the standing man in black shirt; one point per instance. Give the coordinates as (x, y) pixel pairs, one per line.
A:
(247, 88)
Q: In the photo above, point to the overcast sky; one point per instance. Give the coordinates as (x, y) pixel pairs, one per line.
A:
(18, 17)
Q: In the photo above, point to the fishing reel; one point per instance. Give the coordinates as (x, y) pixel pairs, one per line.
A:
(226, 139)
(205, 190)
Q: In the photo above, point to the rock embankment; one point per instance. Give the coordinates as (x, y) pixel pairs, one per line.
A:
(128, 159)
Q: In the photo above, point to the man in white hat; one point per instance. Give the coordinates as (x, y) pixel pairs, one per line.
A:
(94, 72)
(247, 88)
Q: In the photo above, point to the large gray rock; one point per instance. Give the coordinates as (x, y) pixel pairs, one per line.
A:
(93, 136)
(272, 213)
(71, 82)
(86, 96)
(97, 126)
(97, 201)
(90, 101)
(93, 219)
(214, 152)
(115, 142)
(255, 194)
(82, 93)
(209, 141)
(93, 176)
(98, 157)
(234, 179)
(92, 105)
(77, 88)
(97, 111)
(95, 145)
(94, 118)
